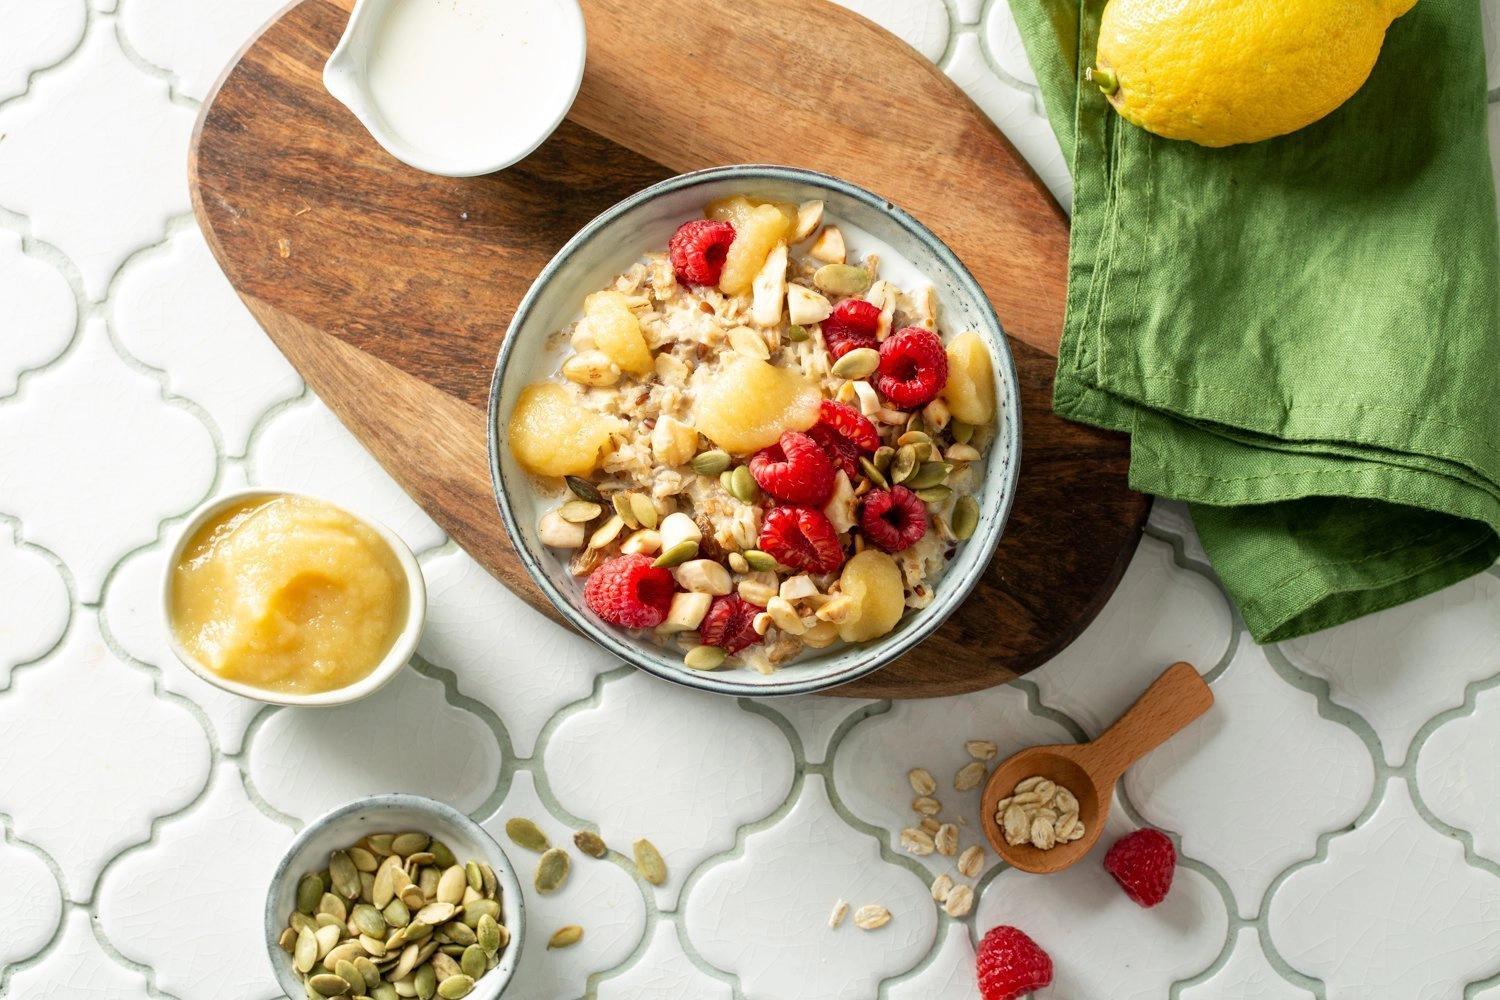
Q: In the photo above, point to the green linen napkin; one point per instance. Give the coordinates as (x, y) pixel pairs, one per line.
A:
(1301, 336)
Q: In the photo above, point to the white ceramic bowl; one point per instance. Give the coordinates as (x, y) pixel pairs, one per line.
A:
(393, 813)
(400, 652)
(644, 222)
(346, 77)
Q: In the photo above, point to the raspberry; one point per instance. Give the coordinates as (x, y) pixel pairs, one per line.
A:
(844, 432)
(894, 519)
(1143, 863)
(698, 249)
(730, 624)
(628, 591)
(1010, 964)
(802, 538)
(913, 368)
(854, 323)
(794, 469)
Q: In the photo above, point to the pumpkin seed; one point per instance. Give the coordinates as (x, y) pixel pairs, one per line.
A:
(607, 533)
(345, 952)
(737, 563)
(375, 946)
(309, 893)
(590, 843)
(583, 489)
(444, 966)
(328, 985)
(579, 511)
(396, 914)
(743, 485)
(487, 935)
(491, 884)
(841, 279)
(868, 468)
(324, 920)
(346, 971)
(288, 940)
(704, 658)
(649, 861)
(645, 510)
(525, 833)
(471, 872)
(345, 876)
(425, 982)
(451, 886)
(479, 909)
(300, 920)
(929, 474)
(916, 423)
(368, 972)
(436, 913)
(883, 457)
(363, 860)
(472, 961)
(455, 987)
(857, 364)
(416, 861)
(760, 561)
(965, 518)
(710, 463)
(676, 555)
(563, 937)
(904, 465)
(384, 887)
(305, 951)
(406, 844)
(459, 932)
(625, 509)
(935, 494)
(913, 437)
(385, 991)
(414, 897)
(552, 871)
(409, 959)
(746, 341)
(366, 886)
(726, 481)
(796, 334)
(442, 855)
(368, 920)
(962, 433)
(380, 843)
(417, 931)
(334, 907)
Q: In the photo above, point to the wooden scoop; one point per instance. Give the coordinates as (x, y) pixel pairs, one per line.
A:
(1090, 770)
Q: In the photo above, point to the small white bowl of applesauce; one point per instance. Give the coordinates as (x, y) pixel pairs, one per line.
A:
(288, 599)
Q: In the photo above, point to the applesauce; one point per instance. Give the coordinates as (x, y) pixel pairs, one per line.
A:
(289, 594)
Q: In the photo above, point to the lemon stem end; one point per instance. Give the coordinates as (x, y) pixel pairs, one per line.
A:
(1104, 79)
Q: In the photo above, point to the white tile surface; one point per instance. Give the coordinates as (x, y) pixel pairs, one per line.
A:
(115, 759)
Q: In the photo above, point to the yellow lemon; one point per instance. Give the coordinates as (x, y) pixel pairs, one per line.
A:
(1222, 72)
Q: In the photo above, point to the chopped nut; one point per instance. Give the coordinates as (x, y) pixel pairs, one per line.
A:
(795, 588)
(805, 306)
(829, 246)
(762, 623)
(686, 613)
(703, 576)
(837, 916)
(643, 542)
(673, 442)
(809, 217)
(785, 616)
(756, 592)
(557, 533)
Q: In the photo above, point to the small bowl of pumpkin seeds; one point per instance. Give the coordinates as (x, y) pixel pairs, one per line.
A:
(394, 896)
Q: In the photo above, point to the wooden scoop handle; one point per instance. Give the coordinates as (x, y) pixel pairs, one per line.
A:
(1176, 698)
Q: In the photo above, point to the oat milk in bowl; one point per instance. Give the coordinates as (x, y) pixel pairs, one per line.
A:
(760, 443)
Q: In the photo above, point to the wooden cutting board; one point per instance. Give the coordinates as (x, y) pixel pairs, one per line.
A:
(390, 290)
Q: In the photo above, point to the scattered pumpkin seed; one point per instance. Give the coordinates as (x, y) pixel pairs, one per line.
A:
(479, 909)
(676, 555)
(305, 951)
(564, 937)
(346, 971)
(368, 920)
(965, 518)
(704, 658)
(472, 961)
(455, 987)
(396, 914)
(962, 433)
(368, 971)
(760, 561)
(796, 334)
(444, 965)
(841, 279)
(451, 885)
(418, 860)
(373, 945)
(407, 844)
(471, 872)
(590, 843)
(857, 364)
(436, 913)
(491, 884)
(625, 509)
(726, 481)
(300, 920)
(648, 860)
(579, 511)
(583, 489)
(344, 952)
(309, 894)
(869, 469)
(417, 931)
(916, 423)
(710, 463)
(935, 494)
(913, 437)
(427, 881)
(288, 941)
(743, 485)
(459, 933)
(328, 985)
(552, 871)
(487, 935)
(883, 457)
(334, 907)
(928, 474)
(607, 533)
(380, 843)
(443, 854)
(345, 876)
(904, 465)
(424, 981)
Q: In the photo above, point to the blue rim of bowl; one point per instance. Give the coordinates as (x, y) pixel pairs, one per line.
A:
(417, 803)
(884, 650)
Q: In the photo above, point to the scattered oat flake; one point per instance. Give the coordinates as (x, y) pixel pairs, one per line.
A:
(981, 749)
(284, 247)
(837, 916)
(946, 840)
(871, 916)
(971, 775)
(959, 902)
(941, 887)
(916, 842)
(926, 805)
(922, 781)
(971, 861)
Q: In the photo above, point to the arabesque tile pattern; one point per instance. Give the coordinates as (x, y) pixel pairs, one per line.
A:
(1336, 811)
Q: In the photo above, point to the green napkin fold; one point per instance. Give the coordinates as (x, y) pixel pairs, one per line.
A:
(1301, 336)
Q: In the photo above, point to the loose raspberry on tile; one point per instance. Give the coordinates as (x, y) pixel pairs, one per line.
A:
(730, 624)
(913, 368)
(698, 249)
(894, 519)
(629, 592)
(802, 538)
(1143, 863)
(854, 323)
(1009, 964)
(844, 433)
(794, 469)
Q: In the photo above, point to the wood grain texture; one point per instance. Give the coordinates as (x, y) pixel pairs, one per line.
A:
(390, 290)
